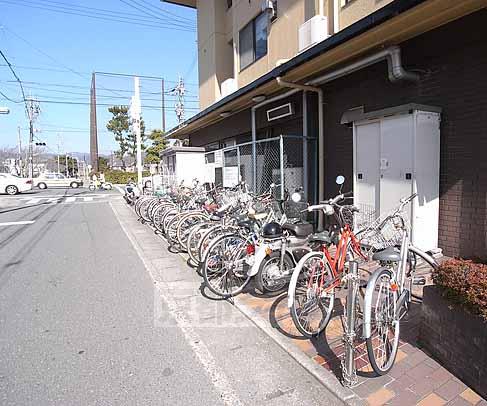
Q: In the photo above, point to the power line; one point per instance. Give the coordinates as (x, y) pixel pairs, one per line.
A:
(10, 83)
(146, 11)
(15, 74)
(87, 94)
(47, 55)
(106, 104)
(9, 99)
(167, 12)
(83, 14)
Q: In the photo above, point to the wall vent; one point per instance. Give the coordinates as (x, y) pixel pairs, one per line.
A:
(279, 112)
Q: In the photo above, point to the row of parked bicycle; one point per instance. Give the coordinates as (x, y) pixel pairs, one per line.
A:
(233, 236)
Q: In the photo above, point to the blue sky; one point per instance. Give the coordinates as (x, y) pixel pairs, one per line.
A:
(57, 51)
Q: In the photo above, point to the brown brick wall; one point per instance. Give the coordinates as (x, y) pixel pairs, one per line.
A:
(452, 61)
(453, 65)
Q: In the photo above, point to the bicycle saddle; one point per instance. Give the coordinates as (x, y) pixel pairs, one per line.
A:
(389, 254)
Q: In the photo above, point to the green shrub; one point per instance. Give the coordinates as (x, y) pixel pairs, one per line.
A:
(121, 177)
(464, 282)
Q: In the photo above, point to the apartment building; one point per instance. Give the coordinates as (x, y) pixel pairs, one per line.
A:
(391, 94)
(241, 40)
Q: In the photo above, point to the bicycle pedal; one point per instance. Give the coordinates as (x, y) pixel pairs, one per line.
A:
(419, 281)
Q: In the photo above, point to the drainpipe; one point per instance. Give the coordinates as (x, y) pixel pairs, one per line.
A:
(396, 72)
(321, 161)
(395, 69)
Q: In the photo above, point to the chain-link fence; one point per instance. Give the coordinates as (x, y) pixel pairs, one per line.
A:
(281, 160)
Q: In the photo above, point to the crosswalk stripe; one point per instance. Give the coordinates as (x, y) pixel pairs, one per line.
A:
(71, 199)
(17, 223)
(87, 199)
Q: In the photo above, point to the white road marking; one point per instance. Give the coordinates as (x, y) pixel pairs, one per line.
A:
(216, 375)
(88, 198)
(120, 189)
(17, 223)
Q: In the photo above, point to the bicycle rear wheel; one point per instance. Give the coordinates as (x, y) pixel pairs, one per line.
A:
(384, 339)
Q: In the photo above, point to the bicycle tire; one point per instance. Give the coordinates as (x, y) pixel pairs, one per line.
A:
(216, 257)
(383, 316)
(297, 289)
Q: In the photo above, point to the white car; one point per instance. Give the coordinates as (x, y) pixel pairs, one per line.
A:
(13, 184)
(57, 180)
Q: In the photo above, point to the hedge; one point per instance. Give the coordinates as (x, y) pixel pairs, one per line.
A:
(464, 282)
(121, 177)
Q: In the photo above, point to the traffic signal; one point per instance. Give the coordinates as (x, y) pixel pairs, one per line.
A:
(41, 144)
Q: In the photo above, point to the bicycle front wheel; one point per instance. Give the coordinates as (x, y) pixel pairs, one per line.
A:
(311, 303)
(225, 267)
(384, 339)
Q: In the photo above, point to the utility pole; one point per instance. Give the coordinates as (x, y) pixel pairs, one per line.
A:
(135, 108)
(19, 142)
(67, 164)
(179, 91)
(93, 126)
(58, 152)
(163, 105)
(33, 111)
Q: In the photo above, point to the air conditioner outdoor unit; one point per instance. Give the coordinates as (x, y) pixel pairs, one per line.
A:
(313, 31)
(228, 87)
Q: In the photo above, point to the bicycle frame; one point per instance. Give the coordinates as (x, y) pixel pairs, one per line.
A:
(398, 278)
(337, 263)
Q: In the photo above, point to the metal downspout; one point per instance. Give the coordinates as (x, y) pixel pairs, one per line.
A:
(396, 72)
(254, 131)
(321, 145)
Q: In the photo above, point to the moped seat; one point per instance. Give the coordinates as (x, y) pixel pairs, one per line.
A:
(248, 224)
(322, 237)
(299, 229)
(389, 254)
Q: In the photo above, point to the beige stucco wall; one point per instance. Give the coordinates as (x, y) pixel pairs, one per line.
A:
(358, 9)
(282, 36)
(215, 55)
(218, 36)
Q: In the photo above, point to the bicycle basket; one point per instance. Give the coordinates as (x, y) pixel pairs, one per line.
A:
(293, 210)
(383, 232)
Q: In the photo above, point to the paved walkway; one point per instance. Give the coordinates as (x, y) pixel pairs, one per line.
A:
(416, 378)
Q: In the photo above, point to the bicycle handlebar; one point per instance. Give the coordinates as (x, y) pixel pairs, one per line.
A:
(405, 201)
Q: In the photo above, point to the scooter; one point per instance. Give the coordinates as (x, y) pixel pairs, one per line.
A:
(278, 251)
(102, 186)
(132, 193)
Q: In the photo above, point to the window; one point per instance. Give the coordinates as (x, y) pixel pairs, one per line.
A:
(229, 3)
(253, 40)
(345, 2)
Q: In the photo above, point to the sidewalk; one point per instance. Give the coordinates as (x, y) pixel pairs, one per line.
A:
(416, 378)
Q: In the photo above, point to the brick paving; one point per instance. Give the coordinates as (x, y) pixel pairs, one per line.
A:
(416, 378)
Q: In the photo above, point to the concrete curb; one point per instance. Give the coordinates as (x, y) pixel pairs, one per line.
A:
(323, 376)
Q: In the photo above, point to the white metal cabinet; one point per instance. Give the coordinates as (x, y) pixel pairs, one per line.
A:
(396, 154)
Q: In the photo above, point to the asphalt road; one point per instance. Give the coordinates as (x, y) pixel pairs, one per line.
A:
(77, 320)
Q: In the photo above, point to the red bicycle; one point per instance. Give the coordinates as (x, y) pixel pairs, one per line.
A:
(311, 293)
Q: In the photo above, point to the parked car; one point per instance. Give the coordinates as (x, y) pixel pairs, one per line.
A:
(57, 180)
(13, 184)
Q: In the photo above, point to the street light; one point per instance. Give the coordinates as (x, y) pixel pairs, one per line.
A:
(4, 110)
